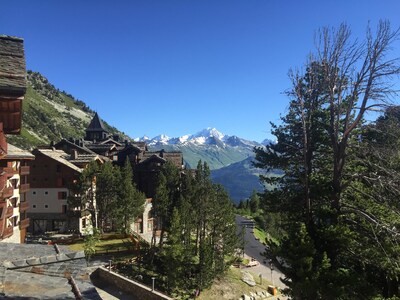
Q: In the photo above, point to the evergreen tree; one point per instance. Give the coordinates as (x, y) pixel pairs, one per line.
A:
(174, 256)
(106, 192)
(254, 202)
(324, 201)
(131, 202)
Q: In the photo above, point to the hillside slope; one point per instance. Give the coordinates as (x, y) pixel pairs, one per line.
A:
(50, 114)
(240, 179)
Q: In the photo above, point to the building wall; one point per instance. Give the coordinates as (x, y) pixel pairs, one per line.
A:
(48, 200)
(49, 173)
(48, 204)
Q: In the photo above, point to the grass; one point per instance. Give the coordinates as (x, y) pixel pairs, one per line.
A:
(230, 286)
(265, 237)
(105, 245)
(260, 235)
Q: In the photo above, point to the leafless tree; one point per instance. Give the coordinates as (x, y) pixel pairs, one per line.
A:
(358, 78)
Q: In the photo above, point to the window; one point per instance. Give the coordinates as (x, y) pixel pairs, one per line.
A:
(46, 206)
(62, 195)
(15, 221)
(64, 209)
(34, 206)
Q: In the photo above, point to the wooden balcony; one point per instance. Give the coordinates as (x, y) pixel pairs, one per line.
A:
(24, 223)
(23, 206)
(23, 188)
(9, 211)
(24, 170)
(8, 172)
(7, 192)
(8, 231)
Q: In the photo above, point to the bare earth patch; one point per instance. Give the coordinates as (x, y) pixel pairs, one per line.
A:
(232, 287)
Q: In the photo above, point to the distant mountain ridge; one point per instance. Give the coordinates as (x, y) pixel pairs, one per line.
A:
(208, 136)
(210, 145)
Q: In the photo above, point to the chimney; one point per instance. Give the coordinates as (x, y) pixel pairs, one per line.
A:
(74, 154)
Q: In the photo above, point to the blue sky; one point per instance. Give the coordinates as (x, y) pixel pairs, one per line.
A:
(176, 67)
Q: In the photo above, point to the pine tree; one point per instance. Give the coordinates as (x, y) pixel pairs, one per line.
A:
(323, 198)
(131, 202)
(106, 192)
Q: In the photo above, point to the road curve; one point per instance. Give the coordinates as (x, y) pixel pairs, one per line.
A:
(254, 248)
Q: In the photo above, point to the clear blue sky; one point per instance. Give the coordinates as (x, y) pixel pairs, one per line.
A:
(176, 67)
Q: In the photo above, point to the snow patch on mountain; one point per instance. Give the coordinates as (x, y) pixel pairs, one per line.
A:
(208, 136)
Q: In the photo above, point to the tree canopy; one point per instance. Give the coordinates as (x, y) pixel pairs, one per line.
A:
(341, 230)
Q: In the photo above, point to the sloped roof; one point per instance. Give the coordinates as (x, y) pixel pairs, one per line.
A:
(14, 152)
(87, 158)
(59, 156)
(153, 157)
(32, 271)
(12, 66)
(96, 124)
(111, 141)
(104, 147)
(74, 145)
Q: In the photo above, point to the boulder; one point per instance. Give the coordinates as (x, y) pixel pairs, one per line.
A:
(248, 278)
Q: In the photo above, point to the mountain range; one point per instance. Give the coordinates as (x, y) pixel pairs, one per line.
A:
(210, 145)
(50, 114)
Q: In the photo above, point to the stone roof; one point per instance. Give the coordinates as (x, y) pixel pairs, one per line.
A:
(59, 156)
(96, 124)
(111, 141)
(105, 147)
(87, 158)
(153, 157)
(14, 152)
(74, 144)
(32, 271)
(12, 66)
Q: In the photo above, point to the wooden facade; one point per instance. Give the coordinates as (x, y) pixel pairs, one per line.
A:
(14, 171)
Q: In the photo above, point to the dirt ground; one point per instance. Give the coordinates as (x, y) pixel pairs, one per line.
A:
(232, 287)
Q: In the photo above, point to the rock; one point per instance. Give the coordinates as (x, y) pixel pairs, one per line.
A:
(248, 278)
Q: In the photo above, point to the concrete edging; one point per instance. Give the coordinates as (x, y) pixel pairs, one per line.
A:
(129, 286)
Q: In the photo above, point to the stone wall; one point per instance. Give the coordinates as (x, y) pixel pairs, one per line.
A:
(138, 290)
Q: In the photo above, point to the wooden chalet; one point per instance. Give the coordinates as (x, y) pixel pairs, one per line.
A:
(13, 168)
(52, 174)
(98, 142)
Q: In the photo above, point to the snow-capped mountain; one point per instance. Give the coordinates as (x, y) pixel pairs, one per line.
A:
(229, 157)
(208, 136)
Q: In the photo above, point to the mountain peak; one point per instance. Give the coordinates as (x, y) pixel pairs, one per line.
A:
(210, 132)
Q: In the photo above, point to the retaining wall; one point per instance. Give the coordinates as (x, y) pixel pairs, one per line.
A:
(134, 288)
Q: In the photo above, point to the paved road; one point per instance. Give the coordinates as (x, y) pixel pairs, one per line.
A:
(254, 248)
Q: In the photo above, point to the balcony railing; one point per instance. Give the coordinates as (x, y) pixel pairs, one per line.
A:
(23, 188)
(24, 170)
(24, 223)
(9, 171)
(23, 206)
(8, 231)
(9, 211)
(6, 192)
